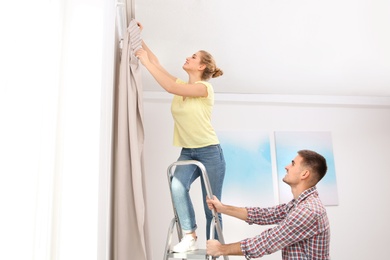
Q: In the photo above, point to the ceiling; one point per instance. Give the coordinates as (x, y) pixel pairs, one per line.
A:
(275, 47)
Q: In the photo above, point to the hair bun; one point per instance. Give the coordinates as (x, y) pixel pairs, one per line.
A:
(217, 72)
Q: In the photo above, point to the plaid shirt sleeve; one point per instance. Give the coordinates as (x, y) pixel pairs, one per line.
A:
(268, 216)
(299, 224)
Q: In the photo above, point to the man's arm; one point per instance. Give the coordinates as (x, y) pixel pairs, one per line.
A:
(237, 212)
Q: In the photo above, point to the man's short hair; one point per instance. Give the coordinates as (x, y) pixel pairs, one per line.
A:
(315, 161)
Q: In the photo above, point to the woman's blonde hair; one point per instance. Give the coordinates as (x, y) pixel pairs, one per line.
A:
(211, 70)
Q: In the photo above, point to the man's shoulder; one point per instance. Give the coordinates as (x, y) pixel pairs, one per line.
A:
(314, 204)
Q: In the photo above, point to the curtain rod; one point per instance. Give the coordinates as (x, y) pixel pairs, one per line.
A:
(124, 9)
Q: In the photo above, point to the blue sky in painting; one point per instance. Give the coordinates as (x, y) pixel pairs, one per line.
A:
(248, 179)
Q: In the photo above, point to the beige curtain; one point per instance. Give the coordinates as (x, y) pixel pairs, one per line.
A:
(128, 206)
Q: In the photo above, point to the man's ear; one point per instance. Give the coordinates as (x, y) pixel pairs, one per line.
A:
(305, 174)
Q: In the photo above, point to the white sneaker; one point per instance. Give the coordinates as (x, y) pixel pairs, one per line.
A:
(188, 243)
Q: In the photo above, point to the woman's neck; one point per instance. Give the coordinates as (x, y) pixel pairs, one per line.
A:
(193, 78)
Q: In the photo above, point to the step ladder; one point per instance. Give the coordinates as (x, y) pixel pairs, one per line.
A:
(215, 223)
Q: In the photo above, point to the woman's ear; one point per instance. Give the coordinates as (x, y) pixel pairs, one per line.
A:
(202, 66)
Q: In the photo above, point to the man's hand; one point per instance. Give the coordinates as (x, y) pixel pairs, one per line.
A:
(214, 204)
(213, 248)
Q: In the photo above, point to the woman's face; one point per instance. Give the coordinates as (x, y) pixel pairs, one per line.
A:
(193, 62)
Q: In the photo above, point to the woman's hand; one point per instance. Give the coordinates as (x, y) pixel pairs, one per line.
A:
(142, 55)
(140, 26)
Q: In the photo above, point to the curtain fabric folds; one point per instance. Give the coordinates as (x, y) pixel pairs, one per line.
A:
(128, 211)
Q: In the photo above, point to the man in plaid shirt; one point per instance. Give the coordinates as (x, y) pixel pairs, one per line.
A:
(302, 228)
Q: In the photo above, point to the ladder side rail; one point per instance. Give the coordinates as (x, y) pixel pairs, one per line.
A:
(208, 191)
(216, 223)
(178, 226)
(212, 235)
(169, 238)
(210, 195)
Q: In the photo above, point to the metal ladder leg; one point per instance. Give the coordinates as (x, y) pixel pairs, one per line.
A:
(215, 224)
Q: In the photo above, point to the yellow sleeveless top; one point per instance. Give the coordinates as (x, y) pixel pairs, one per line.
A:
(192, 117)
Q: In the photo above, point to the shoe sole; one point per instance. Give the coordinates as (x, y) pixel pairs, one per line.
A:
(190, 249)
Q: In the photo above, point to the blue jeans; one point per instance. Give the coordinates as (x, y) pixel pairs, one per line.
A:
(184, 175)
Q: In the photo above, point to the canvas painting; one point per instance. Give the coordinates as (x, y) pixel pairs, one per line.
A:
(248, 178)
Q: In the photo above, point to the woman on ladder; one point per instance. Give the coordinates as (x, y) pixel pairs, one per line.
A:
(191, 109)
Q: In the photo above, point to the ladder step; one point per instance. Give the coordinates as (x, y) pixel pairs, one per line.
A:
(196, 254)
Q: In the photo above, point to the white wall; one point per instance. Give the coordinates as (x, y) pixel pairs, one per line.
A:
(360, 130)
